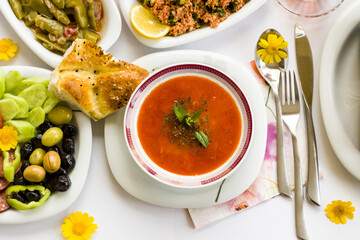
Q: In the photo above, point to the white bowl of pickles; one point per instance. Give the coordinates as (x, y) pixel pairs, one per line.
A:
(48, 27)
(44, 179)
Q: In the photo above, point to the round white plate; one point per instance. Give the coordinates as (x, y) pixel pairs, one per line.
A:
(141, 186)
(198, 34)
(109, 33)
(58, 201)
(340, 88)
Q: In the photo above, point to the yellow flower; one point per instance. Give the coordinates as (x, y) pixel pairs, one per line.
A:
(78, 226)
(270, 49)
(7, 49)
(338, 211)
(8, 138)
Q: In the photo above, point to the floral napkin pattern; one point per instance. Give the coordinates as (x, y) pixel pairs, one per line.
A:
(265, 185)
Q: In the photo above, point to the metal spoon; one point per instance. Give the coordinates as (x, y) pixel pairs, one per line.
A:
(272, 73)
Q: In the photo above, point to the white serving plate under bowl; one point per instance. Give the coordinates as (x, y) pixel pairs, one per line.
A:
(167, 41)
(57, 201)
(161, 76)
(110, 31)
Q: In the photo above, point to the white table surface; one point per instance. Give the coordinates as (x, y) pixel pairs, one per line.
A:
(121, 216)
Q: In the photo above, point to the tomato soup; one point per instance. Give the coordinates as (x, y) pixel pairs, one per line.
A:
(172, 145)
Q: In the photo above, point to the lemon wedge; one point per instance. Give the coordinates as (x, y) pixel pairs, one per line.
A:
(146, 24)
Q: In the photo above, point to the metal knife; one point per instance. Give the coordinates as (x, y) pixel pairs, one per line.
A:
(306, 74)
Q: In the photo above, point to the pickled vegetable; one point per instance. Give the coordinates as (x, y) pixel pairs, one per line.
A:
(51, 162)
(2, 83)
(57, 23)
(21, 103)
(50, 26)
(8, 109)
(68, 162)
(59, 14)
(11, 166)
(69, 130)
(60, 115)
(80, 12)
(29, 82)
(39, 6)
(26, 150)
(58, 183)
(52, 136)
(52, 46)
(17, 8)
(19, 179)
(34, 173)
(45, 126)
(29, 18)
(26, 130)
(35, 95)
(36, 116)
(68, 145)
(50, 102)
(36, 141)
(12, 80)
(55, 149)
(37, 157)
(27, 197)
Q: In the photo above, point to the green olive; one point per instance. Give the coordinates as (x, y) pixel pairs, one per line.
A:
(52, 161)
(34, 173)
(37, 156)
(52, 136)
(60, 115)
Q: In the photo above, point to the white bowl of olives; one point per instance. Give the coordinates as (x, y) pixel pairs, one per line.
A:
(42, 151)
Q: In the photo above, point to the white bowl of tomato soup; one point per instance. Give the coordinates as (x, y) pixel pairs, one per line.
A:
(188, 125)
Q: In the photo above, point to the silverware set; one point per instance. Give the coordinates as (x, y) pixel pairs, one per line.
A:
(289, 94)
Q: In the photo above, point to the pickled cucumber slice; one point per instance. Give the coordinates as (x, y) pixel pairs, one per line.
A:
(12, 80)
(26, 131)
(35, 95)
(50, 102)
(8, 109)
(2, 83)
(36, 116)
(21, 103)
(29, 82)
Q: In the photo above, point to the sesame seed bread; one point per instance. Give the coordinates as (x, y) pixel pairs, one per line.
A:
(93, 81)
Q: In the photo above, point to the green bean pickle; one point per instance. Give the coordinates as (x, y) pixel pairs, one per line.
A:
(17, 8)
(57, 23)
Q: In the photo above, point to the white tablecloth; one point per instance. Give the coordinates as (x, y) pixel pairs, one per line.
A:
(121, 216)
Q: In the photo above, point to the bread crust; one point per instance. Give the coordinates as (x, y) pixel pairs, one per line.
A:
(94, 81)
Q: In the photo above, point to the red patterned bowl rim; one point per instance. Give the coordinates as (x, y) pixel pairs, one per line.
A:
(152, 78)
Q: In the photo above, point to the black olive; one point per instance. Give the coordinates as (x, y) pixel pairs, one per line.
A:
(67, 162)
(19, 178)
(55, 148)
(24, 165)
(69, 130)
(64, 183)
(45, 126)
(20, 196)
(59, 172)
(26, 150)
(68, 145)
(58, 183)
(36, 141)
(32, 195)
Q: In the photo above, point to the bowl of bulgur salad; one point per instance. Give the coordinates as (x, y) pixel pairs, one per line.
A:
(190, 20)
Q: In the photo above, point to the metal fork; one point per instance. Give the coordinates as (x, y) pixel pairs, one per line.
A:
(289, 97)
